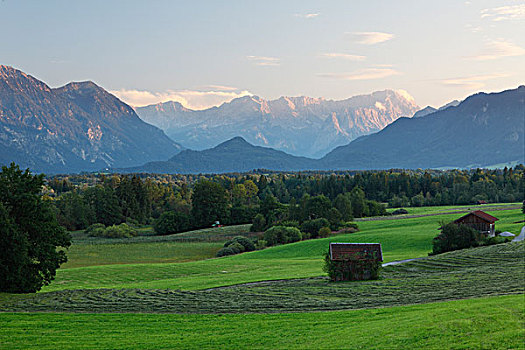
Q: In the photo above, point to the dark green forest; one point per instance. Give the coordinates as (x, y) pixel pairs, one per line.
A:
(268, 198)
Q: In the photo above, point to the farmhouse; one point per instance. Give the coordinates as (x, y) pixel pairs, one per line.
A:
(478, 220)
(354, 261)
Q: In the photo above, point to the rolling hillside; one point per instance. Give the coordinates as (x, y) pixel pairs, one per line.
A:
(235, 155)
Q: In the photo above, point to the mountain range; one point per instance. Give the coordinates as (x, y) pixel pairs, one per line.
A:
(77, 127)
(82, 127)
(301, 126)
(483, 130)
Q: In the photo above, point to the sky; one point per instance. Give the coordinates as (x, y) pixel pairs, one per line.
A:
(204, 53)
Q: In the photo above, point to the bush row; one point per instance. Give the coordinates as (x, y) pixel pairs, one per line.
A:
(287, 232)
(115, 231)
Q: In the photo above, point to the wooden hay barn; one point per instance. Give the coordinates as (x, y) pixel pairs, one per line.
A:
(480, 221)
(355, 261)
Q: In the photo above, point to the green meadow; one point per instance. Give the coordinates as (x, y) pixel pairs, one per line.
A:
(482, 323)
(400, 239)
(170, 292)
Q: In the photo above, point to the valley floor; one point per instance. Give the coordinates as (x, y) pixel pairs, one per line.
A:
(468, 273)
(141, 294)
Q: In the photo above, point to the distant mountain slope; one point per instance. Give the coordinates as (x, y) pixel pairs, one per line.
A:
(429, 109)
(78, 127)
(483, 130)
(235, 155)
(423, 112)
(301, 126)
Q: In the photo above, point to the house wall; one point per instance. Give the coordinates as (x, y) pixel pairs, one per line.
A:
(476, 223)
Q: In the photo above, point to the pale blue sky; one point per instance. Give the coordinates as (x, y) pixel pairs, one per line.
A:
(205, 52)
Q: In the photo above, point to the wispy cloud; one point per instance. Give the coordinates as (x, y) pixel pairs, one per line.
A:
(363, 74)
(264, 60)
(495, 49)
(218, 88)
(369, 38)
(193, 99)
(473, 29)
(344, 56)
(504, 13)
(307, 15)
(472, 82)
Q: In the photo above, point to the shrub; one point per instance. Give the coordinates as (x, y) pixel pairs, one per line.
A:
(347, 230)
(119, 231)
(400, 212)
(259, 223)
(274, 235)
(114, 231)
(245, 242)
(375, 208)
(293, 235)
(454, 237)
(324, 232)
(282, 235)
(225, 252)
(335, 218)
(313, 226)
(95, 230)
(495, 240)
(290, 223)
(236, 247)
(172, 222)
(352, 225)
(261, 244)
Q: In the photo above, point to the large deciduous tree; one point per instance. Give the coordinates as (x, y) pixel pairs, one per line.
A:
(209, 203)
(30, 236)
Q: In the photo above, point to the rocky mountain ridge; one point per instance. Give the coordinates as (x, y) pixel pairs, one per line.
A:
(77, 127)
(301, 126)
(483, 130)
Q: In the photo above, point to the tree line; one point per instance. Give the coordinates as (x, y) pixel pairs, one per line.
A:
(175, 203)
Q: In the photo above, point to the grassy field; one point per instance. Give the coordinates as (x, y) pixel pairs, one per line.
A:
(400, 239)
(139, 253)
(491, 270)
(484, 323)
(146, 235)
(147, 248)
(165, 292)
(453, 208)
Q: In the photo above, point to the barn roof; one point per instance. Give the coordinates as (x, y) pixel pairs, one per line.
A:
(347, 251)
(480, 214)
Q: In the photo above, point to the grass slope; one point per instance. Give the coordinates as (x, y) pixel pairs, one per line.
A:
(80, 255)
(492, 270)
(400, 239)
(183, 247)
(485, 323)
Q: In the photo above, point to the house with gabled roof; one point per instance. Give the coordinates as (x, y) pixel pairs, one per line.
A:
(355, 261)
(480, 221)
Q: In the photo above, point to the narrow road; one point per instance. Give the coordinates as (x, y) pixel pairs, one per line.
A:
(401, 261)
(521, 237)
